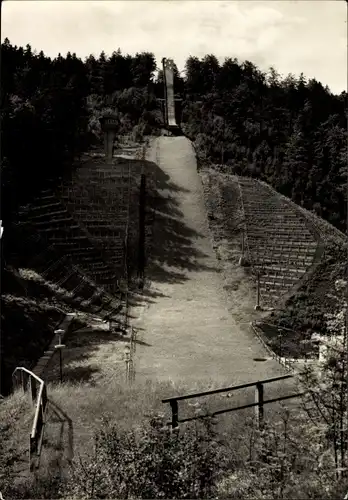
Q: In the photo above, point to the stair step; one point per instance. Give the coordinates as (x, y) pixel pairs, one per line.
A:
(278, 233)
(281, 269)
(275, 226)
(52, 229)
(68, 239)
(48, 214)
(48, 196)
(306, 242)
(304, 248)
(273, 276)
(271, 291)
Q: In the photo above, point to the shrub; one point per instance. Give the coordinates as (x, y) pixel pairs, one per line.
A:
(151, 462)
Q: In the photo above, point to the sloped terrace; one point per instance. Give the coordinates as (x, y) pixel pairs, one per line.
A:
(39, 289)
(279, 244)
(49, 216)
(67, 280)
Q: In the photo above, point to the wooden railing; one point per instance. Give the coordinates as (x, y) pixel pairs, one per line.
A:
(258, 404)
(27, 380)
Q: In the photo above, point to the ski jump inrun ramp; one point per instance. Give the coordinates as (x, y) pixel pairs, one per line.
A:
(168, 76)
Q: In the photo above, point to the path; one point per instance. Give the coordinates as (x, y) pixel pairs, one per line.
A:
(186, 330)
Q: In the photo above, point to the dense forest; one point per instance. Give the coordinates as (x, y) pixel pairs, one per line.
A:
(288, 131)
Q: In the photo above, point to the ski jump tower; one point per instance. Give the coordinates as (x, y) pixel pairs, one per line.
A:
(169, 101)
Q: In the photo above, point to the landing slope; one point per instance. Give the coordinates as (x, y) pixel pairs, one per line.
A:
(185, 330)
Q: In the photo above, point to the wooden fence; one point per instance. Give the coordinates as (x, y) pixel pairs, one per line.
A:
(258, 404)
(28, 381)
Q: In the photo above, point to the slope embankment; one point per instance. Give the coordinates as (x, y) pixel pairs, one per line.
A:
(185, 330)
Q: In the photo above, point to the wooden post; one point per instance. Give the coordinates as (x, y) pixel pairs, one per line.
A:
(141, 260)
(257, 307)
(259, 408)
(280, 342)
(23, 376)
(60, 346)
(127, 371)
(175, 413)
(32, 450)
(127, 359)
(44, 398)
(33, 390)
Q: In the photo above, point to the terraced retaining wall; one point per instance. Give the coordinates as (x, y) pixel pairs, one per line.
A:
(99, 198)
(69, 281)
(52, 220)
(279, 244)
(324, 229)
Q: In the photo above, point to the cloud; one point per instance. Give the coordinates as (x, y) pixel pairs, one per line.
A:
(292, 36)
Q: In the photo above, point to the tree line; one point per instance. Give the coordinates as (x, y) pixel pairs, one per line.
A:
(288, 131)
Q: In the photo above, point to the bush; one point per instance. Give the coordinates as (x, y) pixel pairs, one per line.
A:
(151, 462)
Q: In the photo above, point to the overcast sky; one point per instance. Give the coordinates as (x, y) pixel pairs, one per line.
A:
(293, 36)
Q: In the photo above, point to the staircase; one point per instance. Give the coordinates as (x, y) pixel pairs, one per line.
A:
(81, 292)
(280, 245)
(53, 221)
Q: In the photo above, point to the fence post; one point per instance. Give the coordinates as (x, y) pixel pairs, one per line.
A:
(23, 380)
(259, 408)
(127, 357)
(33, 390)
(44, 398)
(280, 336)
(175, 413)
(258, 292)
(141, 256)
(32, 451)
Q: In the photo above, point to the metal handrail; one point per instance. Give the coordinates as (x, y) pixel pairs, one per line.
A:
(225, 389)
(39, 398)
(27, 371)
(258, 404)
(37, 411)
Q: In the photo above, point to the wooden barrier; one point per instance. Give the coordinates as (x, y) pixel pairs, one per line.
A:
(258, 404)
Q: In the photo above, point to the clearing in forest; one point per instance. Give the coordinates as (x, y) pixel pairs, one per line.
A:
(184, 328)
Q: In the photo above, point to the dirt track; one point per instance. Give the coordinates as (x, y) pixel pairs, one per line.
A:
(185, 330)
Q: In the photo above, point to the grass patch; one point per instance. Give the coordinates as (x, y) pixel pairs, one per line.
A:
(16, 419)
(86, 406)
(125, 450)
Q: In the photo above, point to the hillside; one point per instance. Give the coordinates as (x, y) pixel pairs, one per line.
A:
(178, 283)
(297, 255)
(162, 254)
(66, 266)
